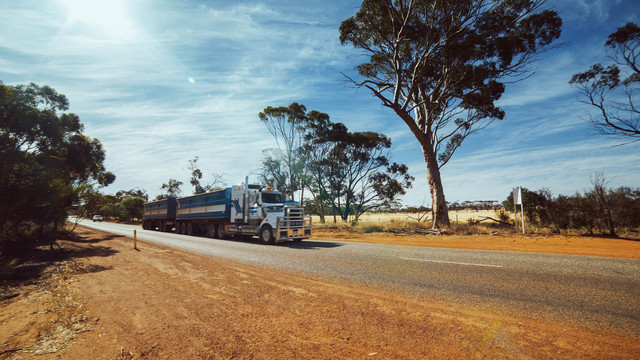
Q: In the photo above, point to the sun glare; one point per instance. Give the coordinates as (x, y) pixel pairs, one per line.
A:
(110, 16)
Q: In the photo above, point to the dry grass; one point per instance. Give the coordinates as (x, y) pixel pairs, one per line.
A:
(69, 320)
(462, 222)
(58, 315)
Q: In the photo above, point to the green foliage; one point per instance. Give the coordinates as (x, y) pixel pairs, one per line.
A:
(535, 202)
(170, 189)
(133, 208)
(585, 212)
(439, 65)
(113, 210)
(350, 170)
(285, 164)
(141, 193)
(196, 176)
(122, 206)
(45, 162)
(346, 172)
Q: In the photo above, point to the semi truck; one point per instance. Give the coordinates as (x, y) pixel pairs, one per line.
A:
(243, 210)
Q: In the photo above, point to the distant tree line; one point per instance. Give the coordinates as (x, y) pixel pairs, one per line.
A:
(598, 210)
(125, 205)
(475, 205)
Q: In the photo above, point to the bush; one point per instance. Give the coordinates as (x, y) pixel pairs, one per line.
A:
(599, 210)
(45, 160)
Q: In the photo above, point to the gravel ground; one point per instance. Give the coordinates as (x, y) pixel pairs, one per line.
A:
(163, 303)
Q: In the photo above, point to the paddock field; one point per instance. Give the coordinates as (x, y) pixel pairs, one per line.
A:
(456, 216)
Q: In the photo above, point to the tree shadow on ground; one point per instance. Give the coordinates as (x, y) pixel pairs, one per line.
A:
(310, 244)
(613, 237)
(305, 244)
(24, 266)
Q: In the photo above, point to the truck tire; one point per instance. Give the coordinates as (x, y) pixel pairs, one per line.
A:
(183, 228)
(211, 230)
(266, 235)
(221, 231)
(190, 229)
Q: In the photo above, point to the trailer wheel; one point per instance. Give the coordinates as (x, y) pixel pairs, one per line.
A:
(221, 232)
(183, 228)
(266, 235)
(190, 229)
(211, 230)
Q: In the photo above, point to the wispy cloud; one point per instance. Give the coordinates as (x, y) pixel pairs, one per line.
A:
(188, 79)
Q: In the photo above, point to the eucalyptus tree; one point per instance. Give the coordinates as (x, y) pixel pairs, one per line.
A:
(46, 162)
(351, 170)
(613, 90)
(170, 189)
(440, 64)
(286, 126)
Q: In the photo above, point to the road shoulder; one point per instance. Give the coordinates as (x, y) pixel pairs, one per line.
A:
(164, 303)
(535, 243)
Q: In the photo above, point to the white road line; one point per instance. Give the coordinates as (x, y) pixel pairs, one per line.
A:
(454, 262)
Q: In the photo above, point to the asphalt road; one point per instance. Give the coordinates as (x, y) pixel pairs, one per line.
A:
(597, 292)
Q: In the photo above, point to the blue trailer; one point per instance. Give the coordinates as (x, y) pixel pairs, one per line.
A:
(245, 209)
(160, 214)
(202, 213)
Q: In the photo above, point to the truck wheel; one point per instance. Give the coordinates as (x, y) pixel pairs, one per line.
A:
(221, 232)
(177, 228)
(211, 230)
(266, 235)
(183, 228)
(190, 229)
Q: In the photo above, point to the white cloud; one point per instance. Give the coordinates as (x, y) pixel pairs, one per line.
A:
(189, 80)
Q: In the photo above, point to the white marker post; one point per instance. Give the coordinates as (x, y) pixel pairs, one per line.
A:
(517, 200)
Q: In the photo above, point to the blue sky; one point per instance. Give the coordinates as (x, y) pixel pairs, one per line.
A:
(160, 82)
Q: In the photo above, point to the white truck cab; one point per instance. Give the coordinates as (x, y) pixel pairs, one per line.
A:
(261, 210)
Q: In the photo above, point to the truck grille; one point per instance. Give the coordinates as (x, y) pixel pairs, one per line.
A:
(294, 224)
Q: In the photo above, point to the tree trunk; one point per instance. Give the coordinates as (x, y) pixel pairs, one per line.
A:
(439, 204)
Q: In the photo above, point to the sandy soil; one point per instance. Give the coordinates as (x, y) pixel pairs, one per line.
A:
(97, 298)
(537, 243)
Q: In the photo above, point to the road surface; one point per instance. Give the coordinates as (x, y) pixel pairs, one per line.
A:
(597, 292)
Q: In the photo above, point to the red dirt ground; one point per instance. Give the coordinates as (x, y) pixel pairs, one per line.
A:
(100, 299)
(538, 243)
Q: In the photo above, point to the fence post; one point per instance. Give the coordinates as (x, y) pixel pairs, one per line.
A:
(135, 239)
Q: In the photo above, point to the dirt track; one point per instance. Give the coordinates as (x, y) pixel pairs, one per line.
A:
(108, 301)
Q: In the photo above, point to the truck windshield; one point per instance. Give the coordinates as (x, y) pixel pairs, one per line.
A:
(271, 198)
